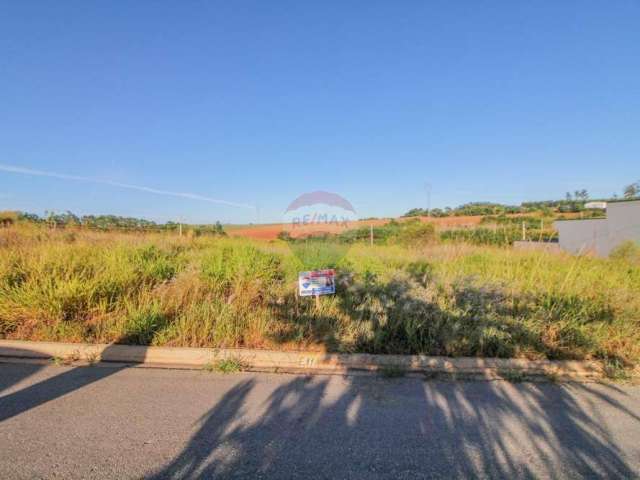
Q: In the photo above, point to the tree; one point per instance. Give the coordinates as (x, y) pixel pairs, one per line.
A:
(579, 195)
(415, 212)
(29, 217)
(632, 191)
(219, 230)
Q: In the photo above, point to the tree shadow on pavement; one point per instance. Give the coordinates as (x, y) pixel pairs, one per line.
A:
(368, 427)
(10, 377)
(51, 388)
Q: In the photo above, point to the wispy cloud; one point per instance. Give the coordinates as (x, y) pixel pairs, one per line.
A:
(63, 176)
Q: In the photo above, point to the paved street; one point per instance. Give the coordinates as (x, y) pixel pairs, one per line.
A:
(106, 422)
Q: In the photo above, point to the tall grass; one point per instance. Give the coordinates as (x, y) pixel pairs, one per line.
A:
(445, 299)
(497, 236)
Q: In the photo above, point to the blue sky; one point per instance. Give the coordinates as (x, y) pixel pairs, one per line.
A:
(257, 102)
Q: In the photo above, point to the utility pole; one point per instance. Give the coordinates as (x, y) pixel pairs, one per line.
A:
(371, 234)
(524, 231)
(180, 222)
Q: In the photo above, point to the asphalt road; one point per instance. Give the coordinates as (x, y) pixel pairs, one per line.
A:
(104, 422)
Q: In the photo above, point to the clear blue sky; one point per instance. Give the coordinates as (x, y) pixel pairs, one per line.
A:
(256, 102)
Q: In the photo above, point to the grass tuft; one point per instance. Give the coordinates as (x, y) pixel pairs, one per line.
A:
(226, 366)
(616, 371)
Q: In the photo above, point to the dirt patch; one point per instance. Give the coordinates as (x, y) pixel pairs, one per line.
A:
(271, 231)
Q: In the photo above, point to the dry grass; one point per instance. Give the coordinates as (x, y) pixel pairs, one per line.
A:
(452, 299)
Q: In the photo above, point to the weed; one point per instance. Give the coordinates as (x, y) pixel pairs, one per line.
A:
(513, 376)
(615, 370)
(92, 358)
(58, 361)
(226, 365)
(209, 367)
(66, 360)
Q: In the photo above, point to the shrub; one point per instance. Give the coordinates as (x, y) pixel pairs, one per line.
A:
(408, 233)
(8, 218)
(628, 251)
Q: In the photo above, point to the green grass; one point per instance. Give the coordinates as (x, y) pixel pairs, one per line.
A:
(627, 253)
(226, 366)
(451, 299)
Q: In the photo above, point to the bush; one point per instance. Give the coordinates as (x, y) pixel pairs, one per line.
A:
(628, 251)
(408, 233)
(415, 234)
(8, 218)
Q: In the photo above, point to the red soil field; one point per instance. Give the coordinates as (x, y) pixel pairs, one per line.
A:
(271, 231)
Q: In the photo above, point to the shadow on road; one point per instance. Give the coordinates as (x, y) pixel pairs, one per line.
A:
(367, 427)
(406, 428)
(10, 377)
(49, 389)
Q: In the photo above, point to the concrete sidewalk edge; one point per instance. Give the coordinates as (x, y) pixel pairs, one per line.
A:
(295, 361)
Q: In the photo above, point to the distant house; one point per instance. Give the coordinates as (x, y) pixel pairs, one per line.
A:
(601, 235)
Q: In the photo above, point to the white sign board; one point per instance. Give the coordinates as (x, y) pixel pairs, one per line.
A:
(317, 282)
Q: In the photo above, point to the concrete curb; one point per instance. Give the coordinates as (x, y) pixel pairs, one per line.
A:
(296, 362)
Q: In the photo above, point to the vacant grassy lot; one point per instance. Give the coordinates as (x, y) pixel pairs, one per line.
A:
(451, 299)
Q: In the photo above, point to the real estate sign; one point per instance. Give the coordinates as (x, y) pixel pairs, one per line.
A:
(317, 282)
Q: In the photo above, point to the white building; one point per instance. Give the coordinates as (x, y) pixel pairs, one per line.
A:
(601, 236)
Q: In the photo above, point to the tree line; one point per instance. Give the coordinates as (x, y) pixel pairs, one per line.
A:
(106, 222)
(573, 202)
